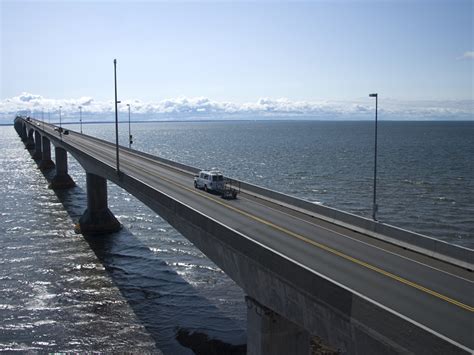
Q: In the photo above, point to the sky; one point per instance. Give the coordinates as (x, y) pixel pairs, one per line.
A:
(222, 58)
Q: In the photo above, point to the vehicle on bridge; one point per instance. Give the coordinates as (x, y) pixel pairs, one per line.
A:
(213, 181)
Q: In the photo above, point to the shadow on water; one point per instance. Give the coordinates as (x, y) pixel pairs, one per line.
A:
(175, 315)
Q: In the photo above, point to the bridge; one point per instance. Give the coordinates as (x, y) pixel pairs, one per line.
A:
(307, 270)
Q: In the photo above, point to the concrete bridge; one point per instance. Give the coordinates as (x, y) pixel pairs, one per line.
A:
(362, 286)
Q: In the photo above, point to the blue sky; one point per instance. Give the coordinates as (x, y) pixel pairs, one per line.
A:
(238, 53)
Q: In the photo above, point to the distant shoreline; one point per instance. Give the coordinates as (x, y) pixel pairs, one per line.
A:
(249, 120)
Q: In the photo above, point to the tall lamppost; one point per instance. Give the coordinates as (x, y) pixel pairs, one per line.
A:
(116, 118)
(80, 116)
(374, 204)
(60, 124)
(130, 138)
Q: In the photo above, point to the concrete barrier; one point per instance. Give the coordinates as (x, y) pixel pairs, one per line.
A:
(457, 255)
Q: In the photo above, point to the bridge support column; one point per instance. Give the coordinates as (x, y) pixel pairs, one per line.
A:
(97, 219)
(38, 154)
(19, 128)
(23, 133)
(270, 333)
(30, 142)
(46, 162)
(61, 180)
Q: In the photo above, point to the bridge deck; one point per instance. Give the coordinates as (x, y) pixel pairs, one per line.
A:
(436, 295)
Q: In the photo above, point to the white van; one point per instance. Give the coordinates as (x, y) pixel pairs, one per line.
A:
(209, 180)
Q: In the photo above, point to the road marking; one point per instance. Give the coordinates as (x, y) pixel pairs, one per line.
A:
(350, 258)
(326, 248)
(351, 238)
(317, 244)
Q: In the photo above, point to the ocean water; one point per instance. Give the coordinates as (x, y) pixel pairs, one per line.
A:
(146, 288)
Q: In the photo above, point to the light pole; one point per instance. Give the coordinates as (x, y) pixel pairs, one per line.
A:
(80, 116)
(130, 138)
(374, 204)
(60, 125)
(116, 118)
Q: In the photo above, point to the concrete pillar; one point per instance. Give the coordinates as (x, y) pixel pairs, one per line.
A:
(18, 127)
(37, 154)
(97, 219)
(61, 180)
(24, 133)
(270, 333)
(46, 162)
(30, 142)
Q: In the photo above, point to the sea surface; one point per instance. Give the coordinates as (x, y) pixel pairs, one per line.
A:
(146, 288)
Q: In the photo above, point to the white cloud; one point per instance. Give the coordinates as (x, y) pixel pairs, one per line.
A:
(25, 97)
(86, 101)
(203, 107)
(467, 55)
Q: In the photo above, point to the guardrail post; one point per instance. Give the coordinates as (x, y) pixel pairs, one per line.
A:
(270, 333)
(97, 218)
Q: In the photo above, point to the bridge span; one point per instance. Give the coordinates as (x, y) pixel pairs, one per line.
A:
(362, 286)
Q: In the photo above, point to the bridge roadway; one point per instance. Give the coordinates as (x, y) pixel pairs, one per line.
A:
(432, 294)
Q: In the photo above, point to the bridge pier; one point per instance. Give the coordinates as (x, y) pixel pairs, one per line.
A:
(23, 133)
(97, 219)
(38, 154)
(270, 333)
(30, 142)
(20, 128)
(46, 162)
(61, 180)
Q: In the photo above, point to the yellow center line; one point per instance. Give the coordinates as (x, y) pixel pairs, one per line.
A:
(328, 249)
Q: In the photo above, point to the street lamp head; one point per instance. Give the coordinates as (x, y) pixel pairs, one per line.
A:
(373, 95)
(128, 105)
